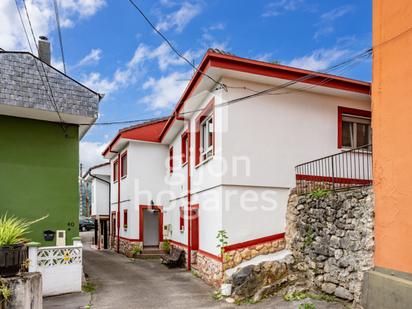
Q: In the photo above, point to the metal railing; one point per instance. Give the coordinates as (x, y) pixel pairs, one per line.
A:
(347, 169)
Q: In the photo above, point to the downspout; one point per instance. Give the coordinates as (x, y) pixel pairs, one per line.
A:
(189, 206)
(118, 202)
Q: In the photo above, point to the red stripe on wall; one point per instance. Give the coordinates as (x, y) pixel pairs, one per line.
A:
(176, 243)
(210, 255)
(253, 242)
(129, 239)
(335, 179)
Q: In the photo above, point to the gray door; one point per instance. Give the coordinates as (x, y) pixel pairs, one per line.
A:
(151, 228)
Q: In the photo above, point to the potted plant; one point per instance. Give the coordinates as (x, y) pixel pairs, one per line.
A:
(166, 246)
(12, 244)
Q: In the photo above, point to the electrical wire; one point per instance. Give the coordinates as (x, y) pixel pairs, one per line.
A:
(51, 96)
(343, 66)
(366, 53)
(174, 49)
(56, 11)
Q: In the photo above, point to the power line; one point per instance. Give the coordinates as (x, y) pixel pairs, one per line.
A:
(24, 27)
(345, 65)
(174, 49)
(51, 96)
(56, 11)
(366, 53)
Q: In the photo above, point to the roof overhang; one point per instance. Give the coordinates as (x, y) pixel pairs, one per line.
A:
(144, 132)
(219, 66)
(38, 114)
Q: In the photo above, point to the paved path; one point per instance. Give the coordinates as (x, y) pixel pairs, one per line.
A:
(124, 283)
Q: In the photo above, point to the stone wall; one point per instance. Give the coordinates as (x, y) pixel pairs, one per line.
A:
(331, 238)
(210, 270)
(125, 247)
(235, 257)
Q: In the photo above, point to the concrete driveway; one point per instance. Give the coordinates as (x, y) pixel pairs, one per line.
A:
(125, 283)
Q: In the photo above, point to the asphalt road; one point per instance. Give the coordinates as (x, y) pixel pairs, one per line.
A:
(122, 283)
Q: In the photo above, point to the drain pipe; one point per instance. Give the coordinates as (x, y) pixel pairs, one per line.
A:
(118, 202)
(189, 206)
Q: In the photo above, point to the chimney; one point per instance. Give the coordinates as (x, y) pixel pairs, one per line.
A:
(44, 49)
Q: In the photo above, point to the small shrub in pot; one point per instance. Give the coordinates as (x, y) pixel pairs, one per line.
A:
(12, 244)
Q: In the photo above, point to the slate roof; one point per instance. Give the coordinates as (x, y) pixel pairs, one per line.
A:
(22, 86)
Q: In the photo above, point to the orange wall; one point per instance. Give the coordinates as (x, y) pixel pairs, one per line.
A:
(392, 132)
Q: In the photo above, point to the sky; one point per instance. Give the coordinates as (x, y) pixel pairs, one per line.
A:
(109, 47)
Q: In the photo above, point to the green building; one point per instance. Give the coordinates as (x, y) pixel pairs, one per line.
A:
(43, 115)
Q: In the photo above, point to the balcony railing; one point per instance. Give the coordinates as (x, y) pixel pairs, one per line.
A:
(347, 169)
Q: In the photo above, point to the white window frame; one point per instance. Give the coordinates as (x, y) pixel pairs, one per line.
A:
(204, 138)
(354, 120)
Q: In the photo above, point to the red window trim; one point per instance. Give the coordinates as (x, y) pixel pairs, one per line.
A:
(121, 165)
(209, 110)
(115, 173)
(181, 218)
(125, 219)
(349, 111)
(184, 141)
(171, 160)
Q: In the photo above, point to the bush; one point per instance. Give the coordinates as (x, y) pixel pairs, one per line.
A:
(136, 250)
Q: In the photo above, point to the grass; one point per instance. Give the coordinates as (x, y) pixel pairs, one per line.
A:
(307, 306)
(245, 301)
(318, 193)
(88, 287)
(299, 295)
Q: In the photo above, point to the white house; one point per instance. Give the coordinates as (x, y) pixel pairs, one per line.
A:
(98, 178)
(232, 150)
(137, 182)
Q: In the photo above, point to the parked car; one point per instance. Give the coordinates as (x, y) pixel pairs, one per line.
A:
(86, 224)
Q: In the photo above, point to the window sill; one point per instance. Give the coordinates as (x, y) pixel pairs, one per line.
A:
(205, 161)
(184, 164)
(123, 177)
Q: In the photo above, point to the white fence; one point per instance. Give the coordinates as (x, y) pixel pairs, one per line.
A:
(60, 266)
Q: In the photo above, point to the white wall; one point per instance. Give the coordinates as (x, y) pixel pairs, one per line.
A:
(253, 212)
(277, 132)
(145, 181)
(100, 196)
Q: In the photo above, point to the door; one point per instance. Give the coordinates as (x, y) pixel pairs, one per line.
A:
(194, 219)
(150, 227)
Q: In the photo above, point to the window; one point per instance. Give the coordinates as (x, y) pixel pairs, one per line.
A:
(182, 219)
(206, 138)
(171, 160)
(354, 128)
(123, 165)
(115, 170)
(125, 219)
(185, 147)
